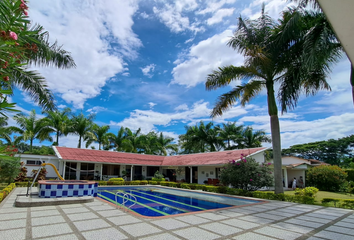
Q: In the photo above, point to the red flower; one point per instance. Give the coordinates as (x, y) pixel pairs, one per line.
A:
(25, 12)
(13, 35)
(6, 79)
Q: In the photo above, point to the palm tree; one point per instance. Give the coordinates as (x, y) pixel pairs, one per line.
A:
(33, 48)
(59, 121)
(163, 144)
(133, 141)
(230, 133)
(270, 57)
(252, 139)
(116, 141)
(81, 125)
(31, 128)
(98, 134)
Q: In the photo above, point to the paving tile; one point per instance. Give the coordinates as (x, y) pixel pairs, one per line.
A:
(44, 208)
(121, 220)
(221, 229)
(102, 207)
(61, 237)
(344, 224)
(338, 229)
(13, 234)
(323, 216)
(163, 236)
(91, 224)
(50, 230)
(140, 229)
(283, 214)
(16, 215)
(314, 238)
(292, 227)
(12, 210)
(304, 223)
(45, 213)
(278, 233)
(347, 219)
(252, 236)
(111, 213)
(212, 216)
(82, 216)
(196, 234)
(169, 223)
(291, 211)
(240, 223)
(17, 223)
(78, 205)
(47, 220)
(255, 219)
(269, 216)
(231, 214)
(193, 219)
(106, 234)
(314, 219)
(80, 209)
(333, 235)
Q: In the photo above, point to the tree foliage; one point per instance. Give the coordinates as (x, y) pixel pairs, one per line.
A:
(247, 174)
(10, 166)
(326, 178)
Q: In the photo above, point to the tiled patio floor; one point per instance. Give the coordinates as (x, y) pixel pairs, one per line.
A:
(99, 220)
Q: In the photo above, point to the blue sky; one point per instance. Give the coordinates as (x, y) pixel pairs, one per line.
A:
(144, 64)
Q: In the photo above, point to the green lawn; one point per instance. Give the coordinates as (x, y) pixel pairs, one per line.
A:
(323, 194)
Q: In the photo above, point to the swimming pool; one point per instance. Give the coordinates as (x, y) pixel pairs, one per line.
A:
(158, 201)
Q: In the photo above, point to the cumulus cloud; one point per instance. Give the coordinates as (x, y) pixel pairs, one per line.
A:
(193, 68)
(87, 29)
(219, 15)
(96, 109)
(151, 104)
(148, 70)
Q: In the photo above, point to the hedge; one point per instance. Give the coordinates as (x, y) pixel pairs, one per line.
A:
(116, 180)
(350, 173)
(6, 191)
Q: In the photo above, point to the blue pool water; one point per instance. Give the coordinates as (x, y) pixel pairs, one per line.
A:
(157, 202)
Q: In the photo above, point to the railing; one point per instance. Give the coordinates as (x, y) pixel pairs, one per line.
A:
(126, 197)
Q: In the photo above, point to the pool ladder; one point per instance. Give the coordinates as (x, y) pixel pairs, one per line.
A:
(126, 197)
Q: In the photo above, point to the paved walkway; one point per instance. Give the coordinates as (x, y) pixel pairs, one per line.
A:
(99, 220)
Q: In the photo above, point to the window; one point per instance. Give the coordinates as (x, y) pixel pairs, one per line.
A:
(34, 162)
(70, 171)
(87, 171)
(151, 171)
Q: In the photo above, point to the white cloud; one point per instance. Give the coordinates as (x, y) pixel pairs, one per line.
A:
(174, 16)
(151, 104)
(144, 15)
(61, 106)
(96, 109)
(219, 15)
(203, 58)
(148, 70)
(87, 29)
(182, 107)
(213, 5)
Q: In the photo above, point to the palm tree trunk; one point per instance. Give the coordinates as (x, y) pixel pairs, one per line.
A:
(31, 143)
(352, 80)
(275, 130)
(79, 145)
(58, 138)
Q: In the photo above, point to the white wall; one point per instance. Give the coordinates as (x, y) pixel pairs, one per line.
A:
(294, 160)
(48, 159)
(209, 172)
(259, 157)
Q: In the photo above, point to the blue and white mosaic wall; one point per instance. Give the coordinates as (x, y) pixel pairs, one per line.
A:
(67, 190)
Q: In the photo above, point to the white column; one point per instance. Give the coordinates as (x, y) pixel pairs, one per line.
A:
(286, 177)
(78, 168)
(64, 163)
(191, 174)
(131, 172)
(101, 171)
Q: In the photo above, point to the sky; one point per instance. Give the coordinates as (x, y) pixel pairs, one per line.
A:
(143, 64)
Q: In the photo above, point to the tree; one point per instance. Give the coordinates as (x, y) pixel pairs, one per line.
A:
(81, 125)
(326, 178)
(10, 166)
(133, 141)
(20, 45)
(271, 56)
(116, 141)
(31, 128)
(158, 144)
(59, 122)
(98, 134)
(246, 174)
(230, 133)
(251, 139)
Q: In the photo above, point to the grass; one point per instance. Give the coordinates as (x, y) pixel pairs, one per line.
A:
(323, 194)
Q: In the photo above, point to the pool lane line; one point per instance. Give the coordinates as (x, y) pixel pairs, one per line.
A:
(172, 200)
(163, 204)
(112, 201)
(142, 204)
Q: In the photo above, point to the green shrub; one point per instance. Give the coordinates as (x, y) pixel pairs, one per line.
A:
(247, 174)
(308, 191)
(24, 184)
(116, 179)
(102, 183)
(172, 184)
(210, 188)
(326, 201)
(158, 179)
(127, 183)
(164, 183)
(185, 186)
(348, 203)
(115, 183)
(178, 185)
(326, 178)
(158, 176)
(143, 182)
(193, 186)
(153, 182)
(199, 186)
(350, 173)
(221, 189)
(135, 182)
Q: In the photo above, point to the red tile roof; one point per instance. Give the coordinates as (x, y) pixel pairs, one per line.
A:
(212, 158)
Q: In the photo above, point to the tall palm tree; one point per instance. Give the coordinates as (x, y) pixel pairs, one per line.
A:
(59, 121)
(165, 143)
(133, 141)
(251, 139)
(98, 134)
(270, 57)
(31, 128)
(230, 133)
(116, 141)
(81, 125)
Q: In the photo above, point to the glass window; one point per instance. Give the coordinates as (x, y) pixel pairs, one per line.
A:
(70, 171)
(87, 171)
(34, 162)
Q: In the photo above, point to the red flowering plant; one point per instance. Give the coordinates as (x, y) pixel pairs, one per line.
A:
(247, 174)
